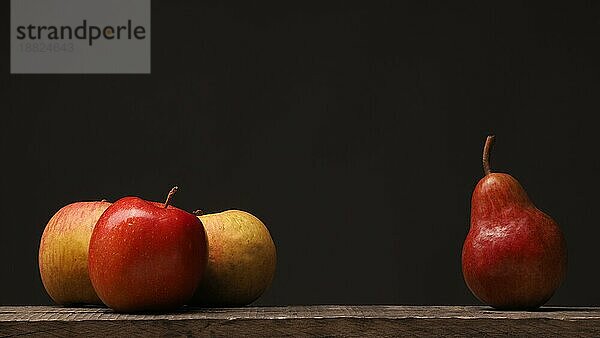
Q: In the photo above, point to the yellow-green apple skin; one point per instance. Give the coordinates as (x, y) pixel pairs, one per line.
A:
(63, 254)
(241, 260)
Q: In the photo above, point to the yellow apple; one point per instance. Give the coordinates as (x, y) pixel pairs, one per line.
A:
(63, 254)
(241, 259)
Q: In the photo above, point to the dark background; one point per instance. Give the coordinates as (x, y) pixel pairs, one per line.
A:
(354, 131)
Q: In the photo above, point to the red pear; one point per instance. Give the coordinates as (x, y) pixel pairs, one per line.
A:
(515, 256)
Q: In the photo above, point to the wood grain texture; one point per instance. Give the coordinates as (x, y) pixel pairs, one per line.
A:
(344, 321)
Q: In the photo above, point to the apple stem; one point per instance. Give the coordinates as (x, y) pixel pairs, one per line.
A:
(198, 212)
(486, 154)
(170, 195)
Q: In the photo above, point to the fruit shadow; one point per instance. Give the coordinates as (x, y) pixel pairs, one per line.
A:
(105, 309)
(150, 313)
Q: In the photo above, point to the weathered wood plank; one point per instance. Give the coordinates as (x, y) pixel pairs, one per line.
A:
(302, 321)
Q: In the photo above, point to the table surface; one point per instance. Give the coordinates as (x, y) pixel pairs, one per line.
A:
(321, 320)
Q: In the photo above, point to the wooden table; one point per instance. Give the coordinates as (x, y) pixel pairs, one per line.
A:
(320, 320)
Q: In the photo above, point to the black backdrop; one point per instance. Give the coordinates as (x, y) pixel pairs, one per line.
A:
(353, 131)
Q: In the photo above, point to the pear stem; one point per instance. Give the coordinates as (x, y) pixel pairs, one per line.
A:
(486, 154)
(170, 196)
(198, 212)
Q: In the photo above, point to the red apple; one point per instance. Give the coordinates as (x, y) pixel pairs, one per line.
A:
(146, 256)
(63, 254)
